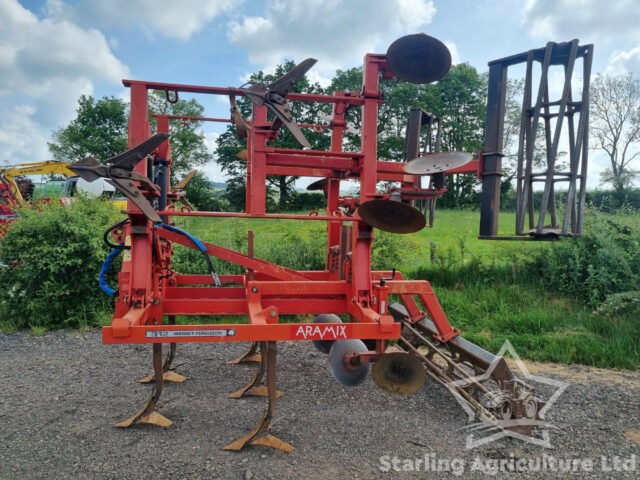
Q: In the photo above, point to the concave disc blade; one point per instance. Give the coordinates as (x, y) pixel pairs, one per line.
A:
(419, 58)
(392, 216)
(325, 345)
(318, 184)
(398, 373)
(344, 375)
(437, 162)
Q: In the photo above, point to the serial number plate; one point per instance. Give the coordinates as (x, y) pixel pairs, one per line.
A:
(190, 333)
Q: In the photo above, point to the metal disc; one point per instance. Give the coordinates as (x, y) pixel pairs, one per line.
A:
(318, 184)
(399, 373)
(418, 58)
(325, 345)
(348, 376)
(392, 216)
(437, 162)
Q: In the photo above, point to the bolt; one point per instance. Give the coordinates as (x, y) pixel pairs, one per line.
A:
(156, 302)
(254, 289)
(272, 314)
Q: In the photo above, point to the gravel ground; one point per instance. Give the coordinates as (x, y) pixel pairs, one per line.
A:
(61, 393)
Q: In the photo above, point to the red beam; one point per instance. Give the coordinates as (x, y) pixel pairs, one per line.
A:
(471, 167)
(247, 333)
(300, 171)
(271, 269)
(311, 161)
(177, 87)
(188, 117)
(238, 306)
(179, 213)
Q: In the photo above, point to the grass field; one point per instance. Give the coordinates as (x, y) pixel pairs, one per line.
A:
(484, 286)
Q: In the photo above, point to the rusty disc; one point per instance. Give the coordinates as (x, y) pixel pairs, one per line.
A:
(398, 373)
(318, 184)
(437, 162)
(242, 155)
(418, 58)
(392, 216)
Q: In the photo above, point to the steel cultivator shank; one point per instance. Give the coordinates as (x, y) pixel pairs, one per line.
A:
(378, 306)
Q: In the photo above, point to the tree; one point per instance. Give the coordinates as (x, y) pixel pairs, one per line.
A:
(303, 112)
(188, 148)
(99, 130)
(459, 99)
(202, 195)
(615, 126)
(399, 97)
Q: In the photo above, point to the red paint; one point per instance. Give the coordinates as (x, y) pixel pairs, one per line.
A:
(149, 291)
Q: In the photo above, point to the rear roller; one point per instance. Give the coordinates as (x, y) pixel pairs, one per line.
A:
(345, 363)
(325, 345)
(478, 378)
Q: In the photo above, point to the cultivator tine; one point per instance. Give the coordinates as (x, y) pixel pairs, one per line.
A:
(149, 413)
(121, 174)
(129, 159)
(274, 97)
(255, 388)
(250, 356)
(260, 434)
(168, 374)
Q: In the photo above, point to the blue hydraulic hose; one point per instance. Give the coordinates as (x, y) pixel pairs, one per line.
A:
(199, 245)
(197, 242)
(106, 266)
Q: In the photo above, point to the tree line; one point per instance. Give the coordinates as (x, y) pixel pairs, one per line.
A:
(100, 130)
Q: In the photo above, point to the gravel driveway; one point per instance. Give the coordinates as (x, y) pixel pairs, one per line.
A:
(61, 393)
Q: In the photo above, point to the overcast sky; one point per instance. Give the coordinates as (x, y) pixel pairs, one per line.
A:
(52, 51)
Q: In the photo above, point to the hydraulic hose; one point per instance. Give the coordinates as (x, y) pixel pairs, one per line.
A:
(105, 237)
(106, 266)
(199, 245)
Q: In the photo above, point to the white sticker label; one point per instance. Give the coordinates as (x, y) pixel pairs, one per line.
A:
(190, 333)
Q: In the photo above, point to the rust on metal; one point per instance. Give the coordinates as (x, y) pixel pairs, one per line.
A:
(349, 300)
(398, 373)
(392, 216)
(419, 58)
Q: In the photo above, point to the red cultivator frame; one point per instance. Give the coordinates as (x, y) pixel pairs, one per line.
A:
(150, 291)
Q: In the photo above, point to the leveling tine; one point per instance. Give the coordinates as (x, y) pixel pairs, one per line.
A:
(149, 413)
(260, 434)
(255, 388)
(250, 356)
(168, 374)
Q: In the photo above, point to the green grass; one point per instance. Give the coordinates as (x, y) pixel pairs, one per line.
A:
(484, 286)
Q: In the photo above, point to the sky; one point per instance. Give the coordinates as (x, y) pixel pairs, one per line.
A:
(52, 51)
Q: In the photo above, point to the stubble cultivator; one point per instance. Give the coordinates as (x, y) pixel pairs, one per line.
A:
(151, 293)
